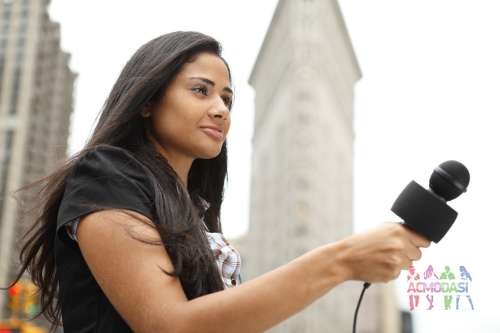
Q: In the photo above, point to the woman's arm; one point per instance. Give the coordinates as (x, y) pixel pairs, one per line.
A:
(269, 299)
(377, 255)
(128, 272)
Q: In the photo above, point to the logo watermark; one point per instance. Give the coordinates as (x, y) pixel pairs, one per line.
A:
(444, 290)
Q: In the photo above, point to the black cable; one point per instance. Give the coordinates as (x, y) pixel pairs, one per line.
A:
(365, 286)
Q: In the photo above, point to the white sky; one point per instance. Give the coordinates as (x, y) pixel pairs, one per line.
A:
(429, 93)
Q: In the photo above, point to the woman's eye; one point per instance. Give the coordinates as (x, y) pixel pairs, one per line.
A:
(227, 101)
(203, 90)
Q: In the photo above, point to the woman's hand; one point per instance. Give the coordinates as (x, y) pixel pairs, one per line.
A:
(379, 254)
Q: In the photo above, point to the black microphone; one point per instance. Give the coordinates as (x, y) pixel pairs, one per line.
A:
(426, 211)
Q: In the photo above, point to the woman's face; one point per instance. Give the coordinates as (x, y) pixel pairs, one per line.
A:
(198, 97)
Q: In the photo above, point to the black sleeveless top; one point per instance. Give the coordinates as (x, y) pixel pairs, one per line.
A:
(105, 176)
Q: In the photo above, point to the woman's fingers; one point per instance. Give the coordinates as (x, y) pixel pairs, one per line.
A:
(417, 239)
(407, 263)
(413, 252)
(381, 253)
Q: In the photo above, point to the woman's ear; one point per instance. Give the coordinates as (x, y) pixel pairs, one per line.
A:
(146, 110)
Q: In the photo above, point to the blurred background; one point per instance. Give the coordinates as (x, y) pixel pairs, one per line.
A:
(338, 106)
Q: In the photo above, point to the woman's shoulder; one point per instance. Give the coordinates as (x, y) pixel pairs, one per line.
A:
(108, 165)
(106, 177)
(106, 152)
(105, 159)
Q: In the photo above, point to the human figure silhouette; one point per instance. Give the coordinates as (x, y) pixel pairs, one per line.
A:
(412, 274)
(447, 274)
(429, 272)
(464, 274)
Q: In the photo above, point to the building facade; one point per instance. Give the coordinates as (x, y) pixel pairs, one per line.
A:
(36, 103)
(302, 161)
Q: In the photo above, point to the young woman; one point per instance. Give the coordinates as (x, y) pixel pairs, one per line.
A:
(129, 235)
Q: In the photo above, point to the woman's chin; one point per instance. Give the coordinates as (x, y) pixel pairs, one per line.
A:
(209, 154)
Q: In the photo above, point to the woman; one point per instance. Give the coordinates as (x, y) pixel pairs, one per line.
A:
(129, 236)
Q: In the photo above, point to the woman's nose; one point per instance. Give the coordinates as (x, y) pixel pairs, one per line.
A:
(220, 109)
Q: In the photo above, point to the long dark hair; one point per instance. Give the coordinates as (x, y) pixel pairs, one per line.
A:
(142, 81)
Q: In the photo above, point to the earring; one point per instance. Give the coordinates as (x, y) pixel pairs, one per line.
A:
(146, 110)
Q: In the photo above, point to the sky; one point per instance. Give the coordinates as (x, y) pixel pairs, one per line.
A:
(429, 93)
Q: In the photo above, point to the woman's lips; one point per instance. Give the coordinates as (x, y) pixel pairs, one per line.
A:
(213, 133)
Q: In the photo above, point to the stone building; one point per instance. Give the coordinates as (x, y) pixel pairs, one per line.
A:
(302, 161)
(36, 103)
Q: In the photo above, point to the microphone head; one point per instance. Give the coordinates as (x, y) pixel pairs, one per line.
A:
(449, 180)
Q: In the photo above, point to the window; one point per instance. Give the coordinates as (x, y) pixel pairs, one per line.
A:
(20, 42)
(15, 91)
(9, 137)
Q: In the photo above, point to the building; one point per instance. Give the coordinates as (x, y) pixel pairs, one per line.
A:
(36, 103)
(302, 161)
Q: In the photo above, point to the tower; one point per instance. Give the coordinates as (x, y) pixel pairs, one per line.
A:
(302, 162)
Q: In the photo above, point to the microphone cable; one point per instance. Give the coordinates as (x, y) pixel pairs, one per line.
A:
(365, 286)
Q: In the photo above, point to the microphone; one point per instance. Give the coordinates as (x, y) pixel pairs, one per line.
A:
(426, 211)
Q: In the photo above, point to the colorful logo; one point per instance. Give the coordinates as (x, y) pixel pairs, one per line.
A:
(451, 292)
